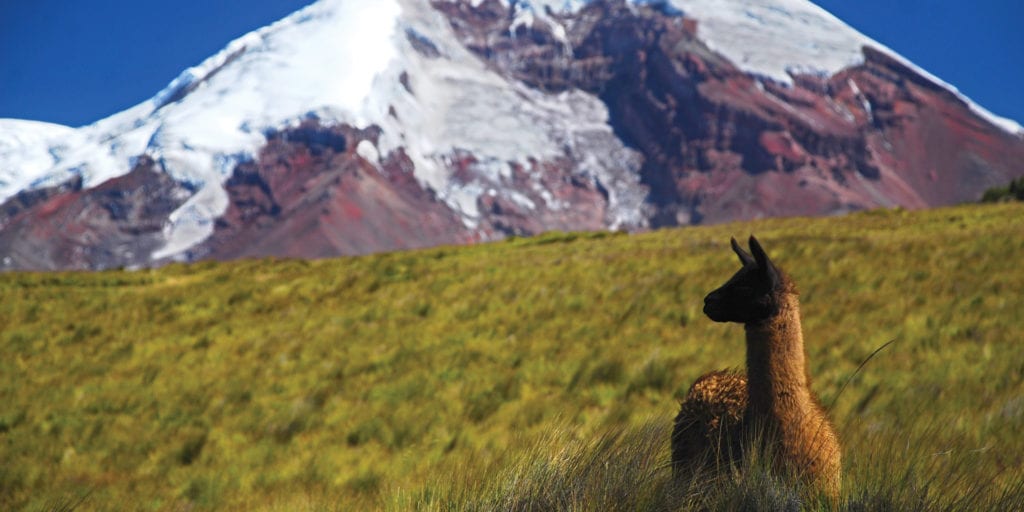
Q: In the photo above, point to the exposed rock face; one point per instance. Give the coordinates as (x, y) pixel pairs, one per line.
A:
(26, 199)
(325, 191)
(720, 145)
(312, 194)
(692, 139)
(118, 223)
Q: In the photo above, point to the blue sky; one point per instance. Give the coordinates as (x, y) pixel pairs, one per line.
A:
(74, 62)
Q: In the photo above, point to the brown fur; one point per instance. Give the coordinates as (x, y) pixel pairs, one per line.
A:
(708, 427)
(722, 410)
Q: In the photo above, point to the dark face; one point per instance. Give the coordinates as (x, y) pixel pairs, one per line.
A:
(750, 295)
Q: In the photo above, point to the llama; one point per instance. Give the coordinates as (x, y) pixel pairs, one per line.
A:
(724, 411)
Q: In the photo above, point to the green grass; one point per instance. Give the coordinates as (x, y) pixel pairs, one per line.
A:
(459, 378)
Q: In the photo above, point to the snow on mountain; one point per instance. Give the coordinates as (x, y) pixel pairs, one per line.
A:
(27, 150)
(454, 102)
(321, 60)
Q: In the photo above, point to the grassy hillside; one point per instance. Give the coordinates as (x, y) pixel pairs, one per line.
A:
(447, 378)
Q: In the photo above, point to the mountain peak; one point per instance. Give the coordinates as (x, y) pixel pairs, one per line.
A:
(498, 117)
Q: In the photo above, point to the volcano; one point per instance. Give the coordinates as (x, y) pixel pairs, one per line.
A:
(359, 126)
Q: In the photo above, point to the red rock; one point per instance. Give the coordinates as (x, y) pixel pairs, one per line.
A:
(294, 202)
(116, 223)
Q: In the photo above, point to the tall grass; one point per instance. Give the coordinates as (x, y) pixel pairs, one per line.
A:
(433, 378)
(627, 470)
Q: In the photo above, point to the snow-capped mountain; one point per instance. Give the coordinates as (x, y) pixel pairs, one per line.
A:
(354, 126)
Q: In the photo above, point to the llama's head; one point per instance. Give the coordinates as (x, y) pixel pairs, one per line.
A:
(752, 294)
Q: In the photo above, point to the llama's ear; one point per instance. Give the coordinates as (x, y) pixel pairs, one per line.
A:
(762, 260)
(745, 257)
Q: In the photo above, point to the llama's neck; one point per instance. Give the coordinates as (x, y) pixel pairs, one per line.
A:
(777, 382)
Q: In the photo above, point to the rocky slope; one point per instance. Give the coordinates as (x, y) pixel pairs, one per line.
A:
(469, 120)
(722, 144)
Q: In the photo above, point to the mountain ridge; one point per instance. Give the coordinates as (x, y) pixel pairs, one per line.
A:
(505, 153)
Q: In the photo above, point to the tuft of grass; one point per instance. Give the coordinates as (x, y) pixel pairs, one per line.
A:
(616, 470)
(65, 502)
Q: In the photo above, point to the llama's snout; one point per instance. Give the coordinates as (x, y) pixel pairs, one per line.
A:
(713, 308)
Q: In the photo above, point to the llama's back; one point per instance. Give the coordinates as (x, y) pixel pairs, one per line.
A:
(708, 428)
